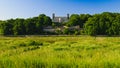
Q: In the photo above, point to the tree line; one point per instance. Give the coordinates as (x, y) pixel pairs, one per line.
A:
(103, 24)
(106, 23)
(30, 26)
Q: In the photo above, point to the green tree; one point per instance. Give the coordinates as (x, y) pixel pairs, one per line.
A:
(116, 26)
(47, 21)
(91, 26)
(74, 20)
(103, 24)
(6, 28)
(19, 28)
(30, 26)
(83, 19)
(39, 27)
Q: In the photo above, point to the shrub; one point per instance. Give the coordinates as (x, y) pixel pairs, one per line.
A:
(31, 43)
(22, 44)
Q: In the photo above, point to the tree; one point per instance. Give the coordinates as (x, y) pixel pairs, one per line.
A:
(116, 26)
(39, 27)
(47, 21)
(19, 28)
(30, 26)
(83, 19)
(91, 26)
(74, 20)
(6, 28)
(103, 24)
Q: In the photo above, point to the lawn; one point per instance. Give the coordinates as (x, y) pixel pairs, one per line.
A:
(60, 52)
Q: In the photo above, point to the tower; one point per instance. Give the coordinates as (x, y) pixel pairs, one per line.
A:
(53, 16)
(68, 16)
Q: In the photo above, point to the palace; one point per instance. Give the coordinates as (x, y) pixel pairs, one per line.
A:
(59, 19)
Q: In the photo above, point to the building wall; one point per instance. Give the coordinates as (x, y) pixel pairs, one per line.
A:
(60, 19)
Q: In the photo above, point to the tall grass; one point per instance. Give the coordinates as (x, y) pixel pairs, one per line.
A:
(60, 52)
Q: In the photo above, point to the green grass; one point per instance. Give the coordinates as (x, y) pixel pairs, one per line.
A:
(60, 52)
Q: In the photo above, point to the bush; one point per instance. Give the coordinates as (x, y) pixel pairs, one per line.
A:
(31, 42)
(22, 45)
(31, 48)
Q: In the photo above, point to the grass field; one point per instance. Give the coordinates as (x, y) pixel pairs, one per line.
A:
(60, 52)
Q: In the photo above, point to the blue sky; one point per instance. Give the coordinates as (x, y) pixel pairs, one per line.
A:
(30, 8)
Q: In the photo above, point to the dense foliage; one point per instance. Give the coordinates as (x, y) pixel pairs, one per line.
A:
(103, 24)
(76, 19)
(106, 23)
(30, 26)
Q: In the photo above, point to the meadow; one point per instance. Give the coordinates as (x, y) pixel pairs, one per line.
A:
(60, 52)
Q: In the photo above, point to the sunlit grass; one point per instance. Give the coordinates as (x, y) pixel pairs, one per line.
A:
(60, 52)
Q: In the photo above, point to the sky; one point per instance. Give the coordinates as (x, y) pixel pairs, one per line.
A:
(31, 8)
